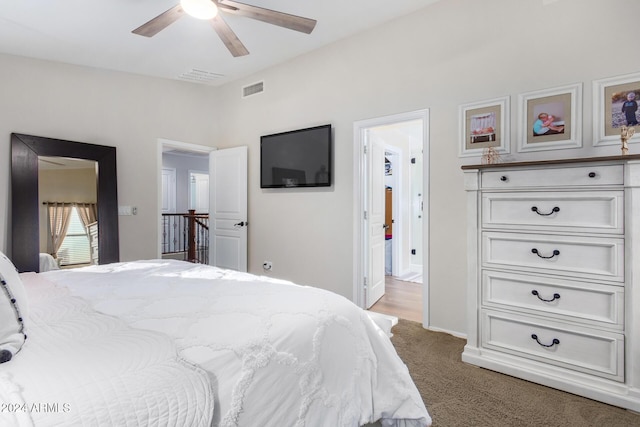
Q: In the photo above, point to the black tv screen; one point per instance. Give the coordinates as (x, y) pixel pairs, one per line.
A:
(299, 158)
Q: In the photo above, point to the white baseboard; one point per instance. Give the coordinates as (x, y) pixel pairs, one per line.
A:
(454, 333)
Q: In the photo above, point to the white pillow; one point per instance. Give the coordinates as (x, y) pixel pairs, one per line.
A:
(13, 310)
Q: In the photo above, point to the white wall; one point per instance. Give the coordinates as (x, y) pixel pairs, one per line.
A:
(448, 54)
(451, 53)
(123, 110)
(63, 185)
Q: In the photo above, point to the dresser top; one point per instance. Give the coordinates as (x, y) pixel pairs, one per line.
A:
(555, 162)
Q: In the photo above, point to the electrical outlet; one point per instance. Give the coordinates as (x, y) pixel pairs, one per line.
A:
(267, 266)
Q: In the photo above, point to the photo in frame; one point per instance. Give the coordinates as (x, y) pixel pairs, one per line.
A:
(615, 104)
(483, 125)
(550, 119)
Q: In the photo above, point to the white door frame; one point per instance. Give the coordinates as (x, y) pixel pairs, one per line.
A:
(359, 206)
(181, 146)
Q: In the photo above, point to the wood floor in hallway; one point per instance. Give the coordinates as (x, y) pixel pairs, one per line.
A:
(401, 299)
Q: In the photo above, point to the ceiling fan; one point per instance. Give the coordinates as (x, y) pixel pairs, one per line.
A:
(208, 9)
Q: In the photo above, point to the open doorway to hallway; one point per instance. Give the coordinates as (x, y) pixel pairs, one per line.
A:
(403, 201)
(224, 244)
(391, 215)
(184, 213)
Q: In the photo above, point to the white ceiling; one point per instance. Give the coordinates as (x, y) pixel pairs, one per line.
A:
(97, 33)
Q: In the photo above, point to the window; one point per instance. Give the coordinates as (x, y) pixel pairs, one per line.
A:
(75, 246)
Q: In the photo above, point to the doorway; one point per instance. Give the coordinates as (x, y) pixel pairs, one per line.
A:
(403, 142)
(219, 188)
(179, 162)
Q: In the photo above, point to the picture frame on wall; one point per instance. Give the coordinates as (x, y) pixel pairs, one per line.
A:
(615, 104)
(484, 124)
(550, 119)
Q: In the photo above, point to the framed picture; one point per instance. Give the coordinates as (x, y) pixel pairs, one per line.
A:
(550, 119)
(615, 104)
(484, 124)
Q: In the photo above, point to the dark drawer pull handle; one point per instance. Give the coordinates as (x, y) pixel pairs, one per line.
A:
(555, 341)
(503, 178)
(592, 174)
(554, 210)
(555, 296)
(555, 253)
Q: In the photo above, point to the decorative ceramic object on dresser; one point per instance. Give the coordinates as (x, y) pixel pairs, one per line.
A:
(554, 274)
(625, 134)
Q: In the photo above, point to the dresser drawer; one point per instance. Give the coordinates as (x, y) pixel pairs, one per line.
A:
(574, 256)
(584, 302)
(581, 211)
(554, 177)
(586, 350)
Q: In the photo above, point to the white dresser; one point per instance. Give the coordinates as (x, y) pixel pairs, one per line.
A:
(553, 265)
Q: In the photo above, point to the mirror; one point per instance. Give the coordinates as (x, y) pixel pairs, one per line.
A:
(25, 209)
(67, 194)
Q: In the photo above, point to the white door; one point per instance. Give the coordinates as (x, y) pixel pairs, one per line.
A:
(375, 219)
(228, 208)
(168, 190)
(199, 192)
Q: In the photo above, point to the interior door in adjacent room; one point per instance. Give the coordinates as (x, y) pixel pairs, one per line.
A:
(228, 208)
(199, 191)
(168, 178)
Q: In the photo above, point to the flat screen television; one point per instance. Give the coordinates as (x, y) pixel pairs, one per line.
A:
(298, 158)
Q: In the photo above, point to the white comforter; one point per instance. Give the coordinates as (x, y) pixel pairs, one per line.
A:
(277, 354)
(82, 368)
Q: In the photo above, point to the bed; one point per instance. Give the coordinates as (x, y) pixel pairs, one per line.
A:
(165, 342)
(47, 262)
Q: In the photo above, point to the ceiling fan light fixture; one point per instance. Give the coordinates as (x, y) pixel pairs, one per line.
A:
(201, 9)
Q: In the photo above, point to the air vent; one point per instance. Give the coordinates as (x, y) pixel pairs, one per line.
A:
(252, 89)
(200, 76)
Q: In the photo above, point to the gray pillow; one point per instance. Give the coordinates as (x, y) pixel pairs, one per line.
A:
(13, 310)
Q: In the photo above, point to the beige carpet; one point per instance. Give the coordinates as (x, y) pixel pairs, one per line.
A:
(458, 394)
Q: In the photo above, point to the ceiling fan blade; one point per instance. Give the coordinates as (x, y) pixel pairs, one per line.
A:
(160, 22)
(228, 37)
(292, 22)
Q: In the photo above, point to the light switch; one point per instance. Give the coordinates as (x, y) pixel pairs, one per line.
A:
(125, 210)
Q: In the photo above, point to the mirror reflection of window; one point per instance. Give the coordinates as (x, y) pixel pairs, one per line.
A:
(71, 183)
(74, 249)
